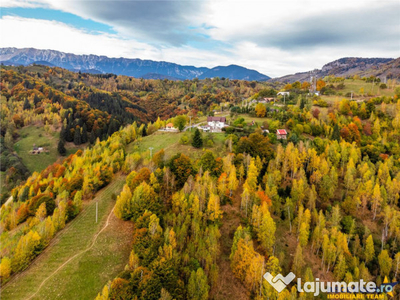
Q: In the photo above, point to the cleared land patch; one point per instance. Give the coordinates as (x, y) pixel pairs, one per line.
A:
(33, 135)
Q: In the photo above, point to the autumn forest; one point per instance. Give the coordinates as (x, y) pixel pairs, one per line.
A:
(110, 185)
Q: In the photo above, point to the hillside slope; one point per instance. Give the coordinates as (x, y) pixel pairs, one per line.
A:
(349, 66)
(84, 249)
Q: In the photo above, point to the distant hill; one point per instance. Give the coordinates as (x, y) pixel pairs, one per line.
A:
(234, 72)
(43, 63)
(158, 76)
(350, 66)
(122, 66)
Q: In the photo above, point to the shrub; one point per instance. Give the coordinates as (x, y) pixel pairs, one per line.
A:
(184, 140)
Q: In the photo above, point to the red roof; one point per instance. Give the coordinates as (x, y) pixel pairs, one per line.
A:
(170, 125)
(281, 131)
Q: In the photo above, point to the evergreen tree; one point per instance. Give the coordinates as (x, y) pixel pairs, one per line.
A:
(197, 140)
(97, 133)
(302, 103)
(63, 133)
(27, 105)
(336, 133)
(68, 134)
(104, 132)
(92, 138)
(112, 127)
(61, 147)
(84, 137)
(77, 136)
(36, 100)
(144, 131)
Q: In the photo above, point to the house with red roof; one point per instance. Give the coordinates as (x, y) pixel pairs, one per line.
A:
(281, 134)
(170, 127)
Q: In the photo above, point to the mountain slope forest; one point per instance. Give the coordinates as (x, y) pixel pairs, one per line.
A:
(79, 108)
(209, 213)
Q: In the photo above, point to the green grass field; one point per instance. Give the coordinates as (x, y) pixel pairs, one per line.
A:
(85, 272)
(31, 135)
(249, 119)
(170, 142)
(370, 90)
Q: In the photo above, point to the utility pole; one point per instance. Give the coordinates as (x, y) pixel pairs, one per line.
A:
(151, 151)
(190, 123)
(351, 95)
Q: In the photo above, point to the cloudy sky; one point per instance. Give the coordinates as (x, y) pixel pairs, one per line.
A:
(274, 37)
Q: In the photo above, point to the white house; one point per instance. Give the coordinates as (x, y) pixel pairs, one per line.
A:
(170, 127)
(216, 122)
(284, 93)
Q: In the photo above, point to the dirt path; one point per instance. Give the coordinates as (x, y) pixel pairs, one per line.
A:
(228, 286)
(76, 255)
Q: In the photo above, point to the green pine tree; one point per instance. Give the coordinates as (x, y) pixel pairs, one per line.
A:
(92, 138)
(84, 137)
(77, 136)
(27, 105)
(336, 133)
(61, 147)
(197, 140)
(302, 103)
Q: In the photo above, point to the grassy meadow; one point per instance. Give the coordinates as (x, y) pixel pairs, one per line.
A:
(171, 143)
(34, 135)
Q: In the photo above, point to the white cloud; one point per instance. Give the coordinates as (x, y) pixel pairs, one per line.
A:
(43, 34)
(22, 3)
(275, 38)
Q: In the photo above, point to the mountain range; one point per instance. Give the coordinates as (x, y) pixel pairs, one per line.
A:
(349, 66)
(139, 68)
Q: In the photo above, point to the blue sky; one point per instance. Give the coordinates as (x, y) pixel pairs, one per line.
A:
(273, 37)
(64, 17)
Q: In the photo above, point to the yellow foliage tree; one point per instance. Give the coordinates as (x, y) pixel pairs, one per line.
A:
(122, 208)
(213, 208)
(260, 110)
(25, 250)
(5, 268)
